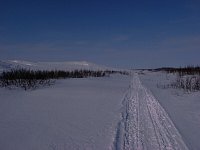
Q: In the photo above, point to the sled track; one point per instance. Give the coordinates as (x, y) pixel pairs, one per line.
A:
(145, 125)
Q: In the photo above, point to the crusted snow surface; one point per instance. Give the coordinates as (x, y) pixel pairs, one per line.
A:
(145, 125)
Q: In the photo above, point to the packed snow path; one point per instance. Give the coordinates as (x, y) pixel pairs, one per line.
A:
(145, 125)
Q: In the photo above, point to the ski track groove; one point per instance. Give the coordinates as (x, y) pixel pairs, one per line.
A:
(145, 125)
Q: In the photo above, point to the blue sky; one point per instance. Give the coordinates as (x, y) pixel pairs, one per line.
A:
(130, 34)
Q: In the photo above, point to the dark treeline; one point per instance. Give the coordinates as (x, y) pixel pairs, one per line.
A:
(30, 79)
(108, 72)
(188, 70)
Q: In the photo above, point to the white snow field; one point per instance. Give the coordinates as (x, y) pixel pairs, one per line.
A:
(72, 114)
(108, 113)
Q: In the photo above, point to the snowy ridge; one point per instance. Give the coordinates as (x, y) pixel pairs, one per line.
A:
(145, 125)
(73, 65)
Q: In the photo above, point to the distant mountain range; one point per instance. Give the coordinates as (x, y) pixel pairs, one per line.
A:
(72, 65)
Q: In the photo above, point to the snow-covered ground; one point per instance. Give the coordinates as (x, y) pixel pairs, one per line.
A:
(183, 108)
(144, 124)
(72, 114)
(118, 112)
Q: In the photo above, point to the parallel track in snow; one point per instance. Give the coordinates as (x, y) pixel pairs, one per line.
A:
(145, 125)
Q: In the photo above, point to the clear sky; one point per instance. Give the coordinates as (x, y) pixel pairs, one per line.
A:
(119, 33)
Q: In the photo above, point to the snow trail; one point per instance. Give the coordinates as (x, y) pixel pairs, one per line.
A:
(145, 125)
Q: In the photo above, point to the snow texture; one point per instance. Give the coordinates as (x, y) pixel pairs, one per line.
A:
(145, 125)
(183, 108)
(73, 114)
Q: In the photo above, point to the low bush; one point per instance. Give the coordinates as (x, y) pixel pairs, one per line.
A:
(188, 83)
(188, 78)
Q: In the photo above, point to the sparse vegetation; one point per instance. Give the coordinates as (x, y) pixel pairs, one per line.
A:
(30, 79)
(188, 83)
(188, 78)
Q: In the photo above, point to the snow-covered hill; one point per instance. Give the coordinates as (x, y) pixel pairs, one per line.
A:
(72, 65)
